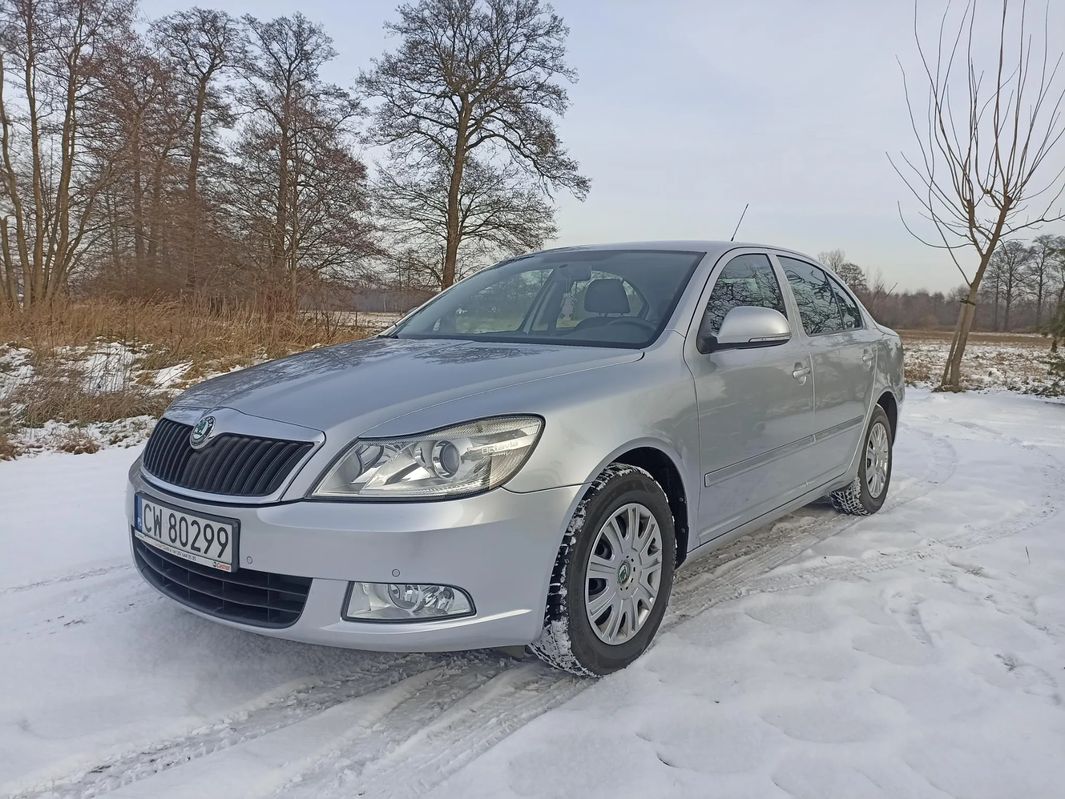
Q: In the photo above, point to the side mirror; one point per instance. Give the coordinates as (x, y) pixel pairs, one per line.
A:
(744, 327)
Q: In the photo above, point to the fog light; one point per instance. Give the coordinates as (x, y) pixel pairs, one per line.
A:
(405, 602)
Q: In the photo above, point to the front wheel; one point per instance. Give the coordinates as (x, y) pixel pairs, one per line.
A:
(612, 576)
(867, 493)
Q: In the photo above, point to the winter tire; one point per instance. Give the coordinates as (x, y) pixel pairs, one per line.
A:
(867, 493)
(612, 577)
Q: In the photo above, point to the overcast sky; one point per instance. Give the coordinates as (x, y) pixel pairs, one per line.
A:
(684, 111)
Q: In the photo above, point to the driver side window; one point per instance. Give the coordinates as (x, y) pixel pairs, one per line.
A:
(745, 280)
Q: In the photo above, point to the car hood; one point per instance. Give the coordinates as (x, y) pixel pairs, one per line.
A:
(371, 381)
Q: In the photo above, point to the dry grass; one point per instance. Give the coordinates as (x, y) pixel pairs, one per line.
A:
(1019, 339)
(8, 449)
(1013, 361)
(96, 362)
(171, 332)
(57, 392)
(76, 442)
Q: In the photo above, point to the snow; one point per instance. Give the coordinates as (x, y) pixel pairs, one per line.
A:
(14, 368)
(993, 361)
(107, 367)
(919, 652)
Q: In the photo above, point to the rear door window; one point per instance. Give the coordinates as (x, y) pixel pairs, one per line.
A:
(815, 296)
(848, 308)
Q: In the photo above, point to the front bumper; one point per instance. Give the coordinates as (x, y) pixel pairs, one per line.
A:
(500, 547)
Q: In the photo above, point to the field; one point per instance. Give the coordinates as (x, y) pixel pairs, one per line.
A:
(1009, 361)
(914, 653)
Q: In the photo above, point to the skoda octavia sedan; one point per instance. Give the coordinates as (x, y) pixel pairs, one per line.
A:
(524, 460)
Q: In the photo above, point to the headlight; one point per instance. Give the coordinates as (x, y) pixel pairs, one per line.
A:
(454, 461)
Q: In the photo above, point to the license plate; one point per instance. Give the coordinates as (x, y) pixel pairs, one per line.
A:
(207, 540)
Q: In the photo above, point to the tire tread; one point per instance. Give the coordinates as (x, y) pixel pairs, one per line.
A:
(554, 646)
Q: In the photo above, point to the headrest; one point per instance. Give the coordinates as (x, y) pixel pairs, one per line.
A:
(606, 295)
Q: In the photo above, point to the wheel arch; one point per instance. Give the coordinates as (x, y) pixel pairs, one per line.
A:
(890, 405)
(665, 472)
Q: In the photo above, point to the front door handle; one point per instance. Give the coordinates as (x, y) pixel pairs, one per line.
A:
(800, 373)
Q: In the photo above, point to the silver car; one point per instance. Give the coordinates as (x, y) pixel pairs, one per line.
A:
(525, 459)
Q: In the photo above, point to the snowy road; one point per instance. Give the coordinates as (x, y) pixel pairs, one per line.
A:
(919, 652)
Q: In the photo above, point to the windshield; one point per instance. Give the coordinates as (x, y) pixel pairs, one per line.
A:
(605, 298)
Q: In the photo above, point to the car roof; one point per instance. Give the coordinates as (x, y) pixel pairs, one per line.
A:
(710, 247)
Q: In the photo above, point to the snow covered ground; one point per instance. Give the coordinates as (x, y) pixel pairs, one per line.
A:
(916, 653)
(993, 361)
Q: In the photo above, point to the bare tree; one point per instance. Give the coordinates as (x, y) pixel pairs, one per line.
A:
(136, 126)
(833, 259)
(854, 277)
(877, 294)
(849, 272)
(982, 172)
(201, 44)
(473, 88)
(298, 190)
(991, 291)
(499, 212)
(1041, 273)
(1010, 262)
(51, 183)
(1057, 257)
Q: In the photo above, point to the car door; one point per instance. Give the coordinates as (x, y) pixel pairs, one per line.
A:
(755, 405)
(843, 351)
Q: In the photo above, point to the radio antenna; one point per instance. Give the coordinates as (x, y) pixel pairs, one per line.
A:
(734, 232)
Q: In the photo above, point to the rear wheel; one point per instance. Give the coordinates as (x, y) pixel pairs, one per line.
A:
(612, 576)
(867, 493)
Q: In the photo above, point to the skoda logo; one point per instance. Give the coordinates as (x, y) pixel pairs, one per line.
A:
(199, 434)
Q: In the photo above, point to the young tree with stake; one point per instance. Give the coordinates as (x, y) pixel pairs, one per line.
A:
(984, 169)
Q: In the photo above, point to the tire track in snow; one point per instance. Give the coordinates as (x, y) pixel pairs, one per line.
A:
(140, 763)
(421, 741)
(66, 578)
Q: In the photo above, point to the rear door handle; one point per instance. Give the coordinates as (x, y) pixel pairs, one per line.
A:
(867, 357)
(800, 372)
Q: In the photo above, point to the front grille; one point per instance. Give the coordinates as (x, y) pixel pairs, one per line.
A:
(231, 464)
(262, 599)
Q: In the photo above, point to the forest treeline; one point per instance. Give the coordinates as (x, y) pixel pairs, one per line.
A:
(205, 155)
(1023, 291)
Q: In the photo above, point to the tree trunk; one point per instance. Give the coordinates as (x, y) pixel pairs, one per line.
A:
(31, 274)
(138, 204)
(277, 244)
(952, 370)
(155, 221)
(192, 200)
(994, 321)
(1039, 302)
(1058, 309)
(454, 232)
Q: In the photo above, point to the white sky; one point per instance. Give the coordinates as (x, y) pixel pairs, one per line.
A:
(685, 111)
